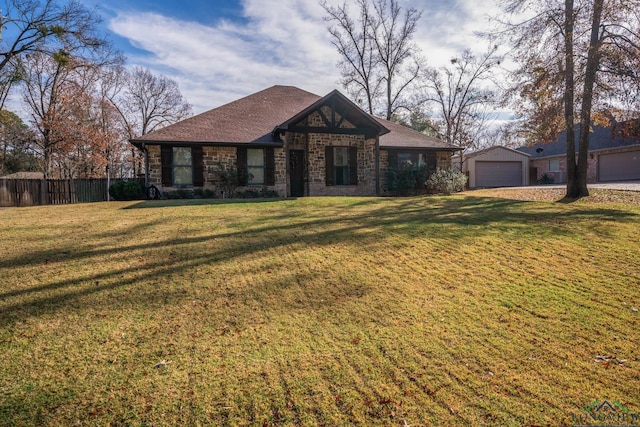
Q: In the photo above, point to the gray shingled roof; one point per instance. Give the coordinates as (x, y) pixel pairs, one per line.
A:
(254, 117)
(495, 147)
(600, 139)
(249, 119)
(400, 136)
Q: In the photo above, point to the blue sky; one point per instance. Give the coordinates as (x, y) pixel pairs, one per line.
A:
(220, 50)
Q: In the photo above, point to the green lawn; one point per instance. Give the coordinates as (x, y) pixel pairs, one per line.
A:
(459, 310)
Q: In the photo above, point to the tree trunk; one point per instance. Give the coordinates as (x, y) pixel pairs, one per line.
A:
(569, 98)
(47, 163)
(369, 100)
(389, 111)
(593, 62)
(47, 147)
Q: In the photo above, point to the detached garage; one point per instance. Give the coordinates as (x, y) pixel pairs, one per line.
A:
(498, 174)
(620, 166)
(496, 167)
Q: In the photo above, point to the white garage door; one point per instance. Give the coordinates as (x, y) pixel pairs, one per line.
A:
(619, 166)
(498, 174)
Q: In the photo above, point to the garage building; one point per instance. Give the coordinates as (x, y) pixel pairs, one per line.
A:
(612, 156)
(495, 167)
(620, 166)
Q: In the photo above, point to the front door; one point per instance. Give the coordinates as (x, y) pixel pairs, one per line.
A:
(296, 172)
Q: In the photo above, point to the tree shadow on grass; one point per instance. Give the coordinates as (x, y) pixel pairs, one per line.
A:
(362, 225)
(149, 204)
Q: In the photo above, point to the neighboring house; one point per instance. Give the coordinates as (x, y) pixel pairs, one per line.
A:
(611, 158)
(495, 167)
(290, 141)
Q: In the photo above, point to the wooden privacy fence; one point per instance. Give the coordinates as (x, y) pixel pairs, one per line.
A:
(30, 192)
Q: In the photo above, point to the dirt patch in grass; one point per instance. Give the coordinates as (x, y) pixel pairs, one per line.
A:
(596, 195)
(321, 311)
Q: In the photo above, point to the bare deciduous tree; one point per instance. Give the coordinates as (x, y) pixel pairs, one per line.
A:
(399, 58)
(9, 78)
(379, 59)
(463, 97)
(46, 27)
(359, 62)
(145, 102)
(154, 101)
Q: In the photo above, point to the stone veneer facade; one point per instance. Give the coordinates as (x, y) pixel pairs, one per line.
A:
(314, 146)
(215, 159)
(220, 157)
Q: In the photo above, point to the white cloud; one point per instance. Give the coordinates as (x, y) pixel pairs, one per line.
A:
(278, 42)
(449, 27)
(281, 43)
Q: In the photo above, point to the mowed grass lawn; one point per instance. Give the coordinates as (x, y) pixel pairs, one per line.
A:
(459, 310)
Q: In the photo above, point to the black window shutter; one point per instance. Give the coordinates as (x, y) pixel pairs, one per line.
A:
(328, 155)
(198, 167)
(393, 160)
(269, 166)
(241, 165)
(166, 158)
(353, 165)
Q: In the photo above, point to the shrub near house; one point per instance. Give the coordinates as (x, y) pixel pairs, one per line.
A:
(126, 190)
(447, 181)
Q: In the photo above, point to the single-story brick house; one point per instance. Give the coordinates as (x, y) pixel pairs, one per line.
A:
(611, 157)
(289, 141)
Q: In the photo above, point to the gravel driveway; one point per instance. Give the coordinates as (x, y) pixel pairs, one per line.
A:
(623, 185)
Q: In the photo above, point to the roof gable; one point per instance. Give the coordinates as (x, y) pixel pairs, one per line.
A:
(340, 109)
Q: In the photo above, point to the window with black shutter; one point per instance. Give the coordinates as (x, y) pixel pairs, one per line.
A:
(166, 158)
(182, 166)
(256, 166)
(270, 167)
(353, 166)
(198, 166)
(241, 165)
(328, 156)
